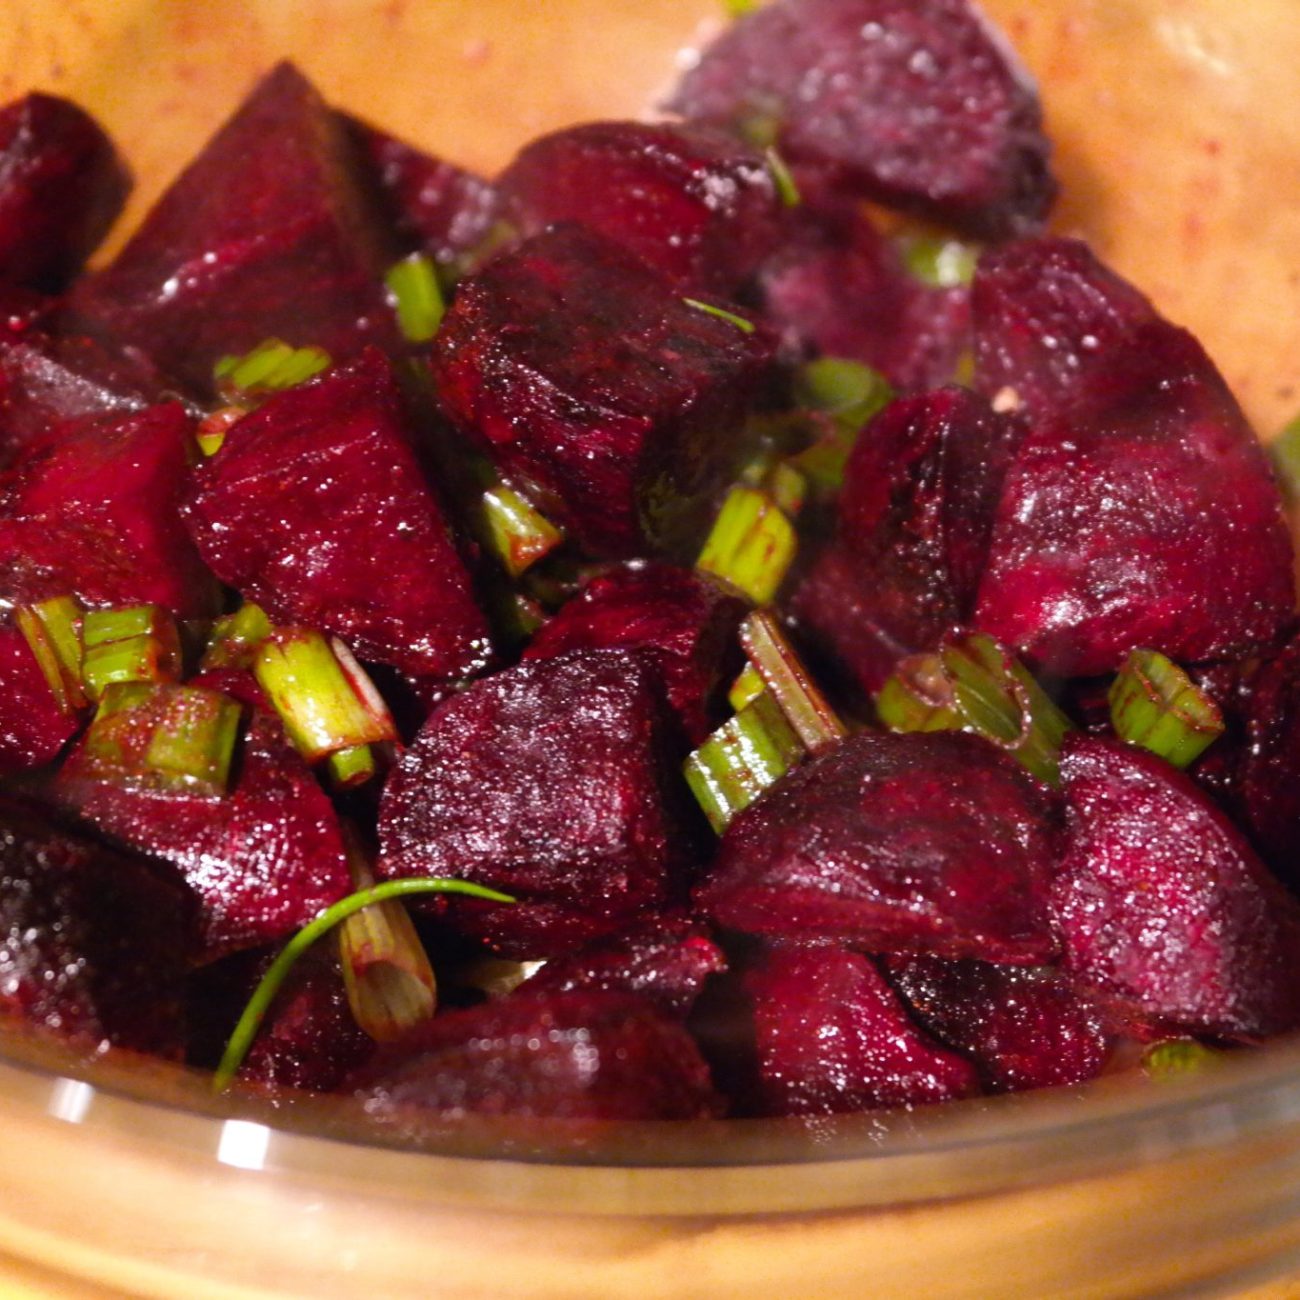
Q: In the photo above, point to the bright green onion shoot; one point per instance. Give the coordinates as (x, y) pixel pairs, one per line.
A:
(52, 629)
(748, 686)
(739, 8)
(939, 262)
(789, 682)
(1153, 703)
(213, 428)
(781, 481)
(137, 643)
(850, 393)
(351, 767)
(323, 696)
(748, 753)
(974, 684)
(235, 637)
(416, 297)
(1285, 451)
(746, 326)
(241, 1039)
(786, 187)
(270, 367)
(751, 545)
(517, 533)
(1178, 1058)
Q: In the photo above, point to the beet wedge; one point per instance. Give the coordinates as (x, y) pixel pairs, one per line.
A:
(34, 726)
(95, 941)
(914, 103)
(62, 186)
(595, 386)
(263, 860)
(270, 232)
(316, 508)
(94, 511)
(684, 621)
(1139, 511)
(554, 782)
(896, 843)
(695, 204)
(587, 1054)
(1164, 909)
(831, 1037)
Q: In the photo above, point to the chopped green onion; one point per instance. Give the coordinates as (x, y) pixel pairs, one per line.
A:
(517, 533)
(137, 643)
(213, 428)
(241, 1039)
(1285, 451)
(741, 759)
(270, 367)
(1178, 1057)
(789, 682)
(751, 544)
(963, 372)
(747, 326)
(52, 629)
(939, 262)
(739, 8)
(323, 696)
(781, 481)
(786, 188)
(850, 393)
(352, 766)
(417, 297)
(974, 684)
(1153, 703)
(748, 686)
(761, 129)
(235, 638)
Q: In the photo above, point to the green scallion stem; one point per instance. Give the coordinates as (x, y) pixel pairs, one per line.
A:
(194, 740)
(748, 686)
(939, 262)
(739, 8)
(253, 1014)
(1153, 703)
(234, 638)
(789, 682)
(351, 767)
(748, 753)
(270, 367)
(1285, 451)
(1177, 1058)
(751, 545)
(850, 393)
(416, 296)
(919, 697)
(52, 629)
(137, 643)
(746, 326)
(212, 430)
(518, 534)
(786, 187)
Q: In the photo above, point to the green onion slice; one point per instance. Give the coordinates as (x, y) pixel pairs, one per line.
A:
(751, 545)
(1285, 451)
(416, 296)
(786, 187)
(234, 638)
(52, 629)
(748, 686)
(518, 534)
(1153, 703)
(1178, 1057)
(270, 367)
(939, 262)
(136, 643)
(745, 326)
(789, 682)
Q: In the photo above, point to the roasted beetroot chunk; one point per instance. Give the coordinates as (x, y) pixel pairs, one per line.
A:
(683, 621)
(268, 233)
(263, 860)
(316, 508)
(666, 961)
(693, 203)
(93, 510)
(832, 1037)
(1164, 909)
(838, 287)
(554, 781)
(1023, 1028)
(582, 1055)
(591, 382)
(1140, 510)
(93, 942)
(896, 843)
(916, 515)
(33, 726)
(442, 209)
(914, 103)
(61, 186)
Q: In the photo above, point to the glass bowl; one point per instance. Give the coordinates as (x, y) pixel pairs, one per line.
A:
(1178, 143)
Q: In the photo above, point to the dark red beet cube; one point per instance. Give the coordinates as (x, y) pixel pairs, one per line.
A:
(33, 726)
(93, 510)
(93, 942)
(666, 961)
(694, 203)
(61, 186)
(914, 103)
(1163, 907)
(317, 509)
(1024, 1028)
(916, 515)
(837, 286)
(440, 208)
(270, 232)
(263, 860)
(587, 1054)
(556, 782)
(896, 843)
(590, 381)
(682, 620)
(833, 1038)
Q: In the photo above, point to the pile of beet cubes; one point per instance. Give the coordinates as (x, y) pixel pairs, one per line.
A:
(365, 521)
